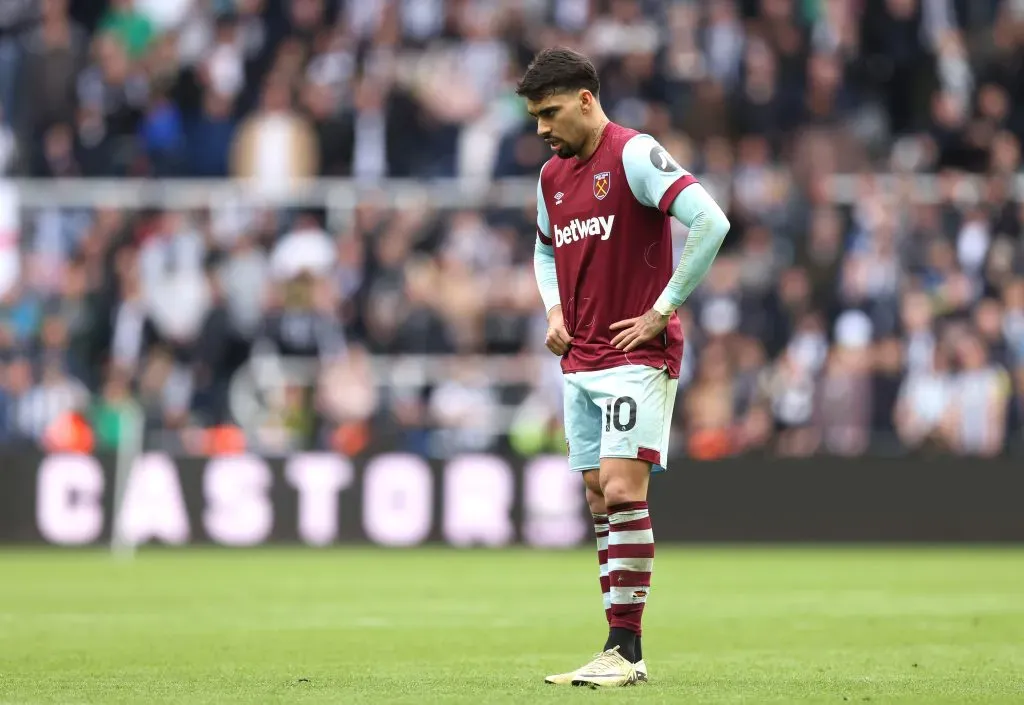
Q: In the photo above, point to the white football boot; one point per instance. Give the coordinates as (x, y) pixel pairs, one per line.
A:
(568, 678)
(607, 670)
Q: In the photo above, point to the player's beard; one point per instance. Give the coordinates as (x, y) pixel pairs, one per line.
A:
(564, 151)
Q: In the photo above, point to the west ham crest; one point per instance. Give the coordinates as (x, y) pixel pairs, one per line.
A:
(602, 184)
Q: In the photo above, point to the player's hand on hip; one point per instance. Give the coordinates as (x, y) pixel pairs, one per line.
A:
(634, 332)
(557, 339)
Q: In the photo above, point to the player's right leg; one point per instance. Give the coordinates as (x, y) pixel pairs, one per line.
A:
(582, 420)
(599, 513)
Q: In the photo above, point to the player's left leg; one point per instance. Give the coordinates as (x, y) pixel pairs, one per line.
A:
(599, 512)
(630, 562)
(638, 403)
(624, 483)
(582, 419)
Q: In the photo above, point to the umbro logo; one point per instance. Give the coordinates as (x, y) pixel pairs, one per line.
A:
(558, 198)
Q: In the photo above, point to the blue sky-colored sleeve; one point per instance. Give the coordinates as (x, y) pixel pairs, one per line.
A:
(544, 255)
(654, 177)
(708, 226)
(658, 181)
(543, 222)
(547, 278)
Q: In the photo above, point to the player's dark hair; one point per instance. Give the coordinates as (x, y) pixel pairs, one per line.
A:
(558, 70)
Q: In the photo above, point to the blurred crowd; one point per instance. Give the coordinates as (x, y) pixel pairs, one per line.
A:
(891, 323)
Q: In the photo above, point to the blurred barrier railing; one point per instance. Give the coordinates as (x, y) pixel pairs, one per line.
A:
(415, 370)
(345, 194)
(336, 196)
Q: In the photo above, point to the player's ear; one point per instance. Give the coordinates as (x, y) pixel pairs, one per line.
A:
(586, 99)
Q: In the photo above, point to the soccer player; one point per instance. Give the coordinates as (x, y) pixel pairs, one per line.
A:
(604, 266)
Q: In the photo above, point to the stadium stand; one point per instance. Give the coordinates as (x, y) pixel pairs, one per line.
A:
(848, 313)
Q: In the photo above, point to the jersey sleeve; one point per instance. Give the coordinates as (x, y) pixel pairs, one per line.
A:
(544, 254)
(654, 177)
(543, 222)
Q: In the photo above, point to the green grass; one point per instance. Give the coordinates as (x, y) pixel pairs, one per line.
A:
(351, 626)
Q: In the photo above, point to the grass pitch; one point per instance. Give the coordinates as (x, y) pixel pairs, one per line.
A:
(732, 625)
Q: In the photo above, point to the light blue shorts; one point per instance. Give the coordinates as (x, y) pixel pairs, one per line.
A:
(622, 412)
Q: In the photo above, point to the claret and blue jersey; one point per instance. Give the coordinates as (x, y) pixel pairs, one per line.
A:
(607, 219)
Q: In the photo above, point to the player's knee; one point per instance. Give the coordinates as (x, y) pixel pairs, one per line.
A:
(619, 489)
(618, 492)
(595, 501)
(624, 480)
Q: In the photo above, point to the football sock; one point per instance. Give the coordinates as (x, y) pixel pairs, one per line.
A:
(625, 640)
(601, 532)
(638, 651)
(630, 562)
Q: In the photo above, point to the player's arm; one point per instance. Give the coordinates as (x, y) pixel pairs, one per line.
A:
(696, 209)
(557, 339)
(657, 181)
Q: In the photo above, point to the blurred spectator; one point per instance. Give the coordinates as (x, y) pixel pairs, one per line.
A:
(464, 408)
(41, 405)
(175, 289)
(8, 146)
(109, 412)
(710, 412)
(162, 136)
(924, 397)
(275, 146)
(53, 53)
(844, 406)
(163, 15)
(887, 365)
(208, 137)
(975, 420)
(129, 25)
(16, 16)
(114, 92)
